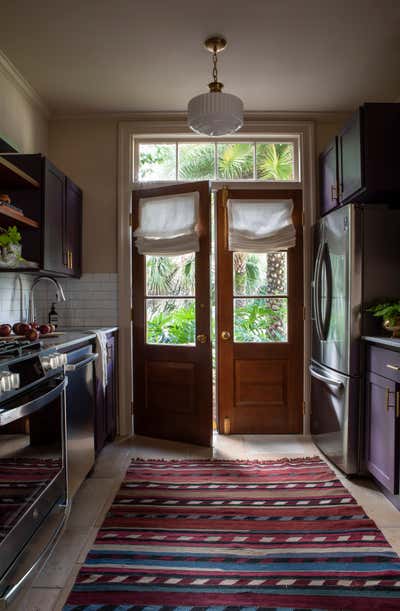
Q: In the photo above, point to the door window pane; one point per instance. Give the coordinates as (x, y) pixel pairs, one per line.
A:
(235, 161)
(275, 161)
(196, 161)
(260, 320)
(170, 276)
(260, 274)
(157, 162)
(170, 321)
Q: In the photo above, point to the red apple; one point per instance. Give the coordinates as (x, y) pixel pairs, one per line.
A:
(32, 335)
(34, 325)
(44, 329)
(16, 328)
(5, 330)
(53, 328)
(23, 328)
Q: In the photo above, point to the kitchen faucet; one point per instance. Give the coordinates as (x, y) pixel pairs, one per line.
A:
(59, 294)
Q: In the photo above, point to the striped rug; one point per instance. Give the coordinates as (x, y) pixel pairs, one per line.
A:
(226, 535)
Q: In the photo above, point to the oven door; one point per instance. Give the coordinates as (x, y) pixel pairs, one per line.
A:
(32, 466)
(335, 416)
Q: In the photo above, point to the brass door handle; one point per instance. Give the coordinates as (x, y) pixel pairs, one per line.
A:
(225, 336)
(201, 338)
(389, 366)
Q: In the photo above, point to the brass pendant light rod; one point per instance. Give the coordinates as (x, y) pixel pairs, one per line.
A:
(215, 44)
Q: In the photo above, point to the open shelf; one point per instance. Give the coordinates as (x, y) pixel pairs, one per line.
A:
(13, 177)
(17, 217)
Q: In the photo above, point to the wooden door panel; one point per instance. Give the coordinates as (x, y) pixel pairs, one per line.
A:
(173, 383)
(260, 383)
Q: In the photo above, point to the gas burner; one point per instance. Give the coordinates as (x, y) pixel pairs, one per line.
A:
(18, 347)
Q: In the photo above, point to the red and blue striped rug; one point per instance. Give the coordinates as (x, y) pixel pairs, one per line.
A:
(227, 535)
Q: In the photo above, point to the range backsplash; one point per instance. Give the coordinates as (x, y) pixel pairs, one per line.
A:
(91, 301)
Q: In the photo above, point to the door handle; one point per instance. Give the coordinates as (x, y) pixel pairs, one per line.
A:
(201, 338)
(334, 383)
(225, 336)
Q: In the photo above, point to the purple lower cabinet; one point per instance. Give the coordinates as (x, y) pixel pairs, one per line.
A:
(382, 431)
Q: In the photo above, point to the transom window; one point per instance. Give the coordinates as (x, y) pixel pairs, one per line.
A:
(265, 160)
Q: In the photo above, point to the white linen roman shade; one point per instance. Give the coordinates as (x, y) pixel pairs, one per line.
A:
(168, 225)
(260, 225)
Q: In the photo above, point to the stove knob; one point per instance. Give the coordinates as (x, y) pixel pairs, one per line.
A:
(5, 382)
(45, 360)
(54, 361)
(64, 359)
(15, 380)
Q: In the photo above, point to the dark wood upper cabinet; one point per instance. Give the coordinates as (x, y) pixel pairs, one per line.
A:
(52, 203)
(361, 165)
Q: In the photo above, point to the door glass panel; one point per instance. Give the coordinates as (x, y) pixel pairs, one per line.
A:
(235, 161)
(260, 320)
(170, 276)
(170, 321)
(260, 274)
(170, 299)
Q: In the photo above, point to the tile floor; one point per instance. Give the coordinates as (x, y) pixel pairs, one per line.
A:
(50, 588)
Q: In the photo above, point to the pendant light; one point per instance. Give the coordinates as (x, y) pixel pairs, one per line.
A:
(215, 113)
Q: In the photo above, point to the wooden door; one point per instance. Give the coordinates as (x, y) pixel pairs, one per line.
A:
(73, 228)
(171, 334)
(259, 354)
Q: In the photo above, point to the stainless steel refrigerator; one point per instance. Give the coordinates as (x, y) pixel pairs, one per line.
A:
(356, 261)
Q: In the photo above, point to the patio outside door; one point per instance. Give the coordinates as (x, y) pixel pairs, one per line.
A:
(259, 328)
(172, 373)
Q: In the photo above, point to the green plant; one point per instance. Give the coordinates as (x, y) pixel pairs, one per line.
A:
(9, 236)
(389, 310)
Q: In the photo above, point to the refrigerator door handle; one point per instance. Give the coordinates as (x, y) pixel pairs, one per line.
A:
(316, 291)
(325, 258)
(334, 383)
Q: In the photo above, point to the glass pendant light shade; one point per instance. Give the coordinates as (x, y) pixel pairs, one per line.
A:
(215, 113)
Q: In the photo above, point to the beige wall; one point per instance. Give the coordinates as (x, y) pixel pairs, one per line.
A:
(22, 123)
(86, 151)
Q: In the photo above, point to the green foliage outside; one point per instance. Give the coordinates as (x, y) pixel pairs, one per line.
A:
(261, 320)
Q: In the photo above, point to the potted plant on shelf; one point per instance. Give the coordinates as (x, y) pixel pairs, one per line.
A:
(390, 312)
(10, 244)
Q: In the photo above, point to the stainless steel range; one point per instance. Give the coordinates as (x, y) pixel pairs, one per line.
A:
(32, 454)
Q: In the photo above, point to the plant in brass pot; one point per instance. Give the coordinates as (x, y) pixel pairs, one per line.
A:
(390, 312)
(10, 245)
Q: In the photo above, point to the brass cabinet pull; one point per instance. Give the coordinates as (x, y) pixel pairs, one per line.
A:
(333, 192)
(72, 264)
(389, 366)
(202, 338)
(225, 336)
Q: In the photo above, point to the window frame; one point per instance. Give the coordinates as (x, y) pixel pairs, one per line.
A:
(189, 139)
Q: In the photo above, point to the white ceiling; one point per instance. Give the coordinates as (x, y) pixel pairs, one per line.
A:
(147, 55)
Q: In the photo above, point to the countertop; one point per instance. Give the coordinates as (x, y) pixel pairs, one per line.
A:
(70, 337)
(390, 342)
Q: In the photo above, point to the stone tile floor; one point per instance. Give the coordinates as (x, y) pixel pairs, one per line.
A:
(51, 587)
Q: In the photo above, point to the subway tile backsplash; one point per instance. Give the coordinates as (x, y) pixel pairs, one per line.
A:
(91, 301)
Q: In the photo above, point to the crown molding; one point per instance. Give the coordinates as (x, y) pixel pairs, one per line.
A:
(175, 116)
(15, 76)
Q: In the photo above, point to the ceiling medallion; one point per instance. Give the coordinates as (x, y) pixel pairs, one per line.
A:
(215, 113)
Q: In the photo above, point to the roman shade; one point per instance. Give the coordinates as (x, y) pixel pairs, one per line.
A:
(256, 225)
(168, 225)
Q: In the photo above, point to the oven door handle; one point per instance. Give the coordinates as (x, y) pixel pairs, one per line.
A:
(25, 409)
(82, 363)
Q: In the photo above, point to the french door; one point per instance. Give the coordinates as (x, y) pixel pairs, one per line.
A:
(259, 328)
(172, 376)
(258, 336)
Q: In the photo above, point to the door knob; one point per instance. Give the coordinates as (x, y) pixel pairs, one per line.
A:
(225, 336)
(201, 338)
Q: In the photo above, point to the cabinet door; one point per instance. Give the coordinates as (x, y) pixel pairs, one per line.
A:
(73, 228)
(328, 174)
(351, 179)
(382, 431)
(53, 218)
